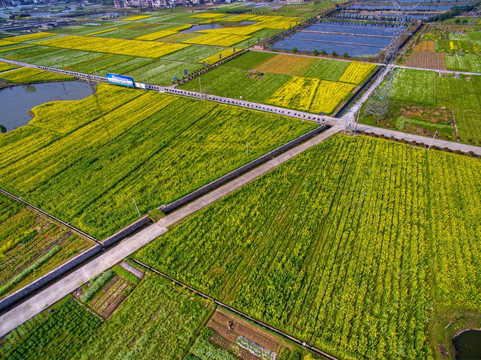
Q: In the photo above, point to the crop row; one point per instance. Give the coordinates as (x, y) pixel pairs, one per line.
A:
(353, 246)
(59, 336)
(31, 246)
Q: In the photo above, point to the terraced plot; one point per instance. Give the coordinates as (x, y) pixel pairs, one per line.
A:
(355, 246)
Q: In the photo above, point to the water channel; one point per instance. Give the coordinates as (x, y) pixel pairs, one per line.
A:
(17, 101)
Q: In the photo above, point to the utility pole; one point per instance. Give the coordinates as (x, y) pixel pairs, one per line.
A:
(431, 144)
(247, 148)
(138, 212)
(200, 87)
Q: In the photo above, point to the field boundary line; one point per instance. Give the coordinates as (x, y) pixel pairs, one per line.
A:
(238, 312)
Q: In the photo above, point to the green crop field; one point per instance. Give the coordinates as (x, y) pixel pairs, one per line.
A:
(355, 246)
(31, 245)
(444, 103)
(155, 322)
(57, 334)
(84, 161)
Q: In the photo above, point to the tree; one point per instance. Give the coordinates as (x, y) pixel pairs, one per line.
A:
(345, 55)
(3, 129)
(457, 21)
(315, 52)
(323, 52)
(294, 50)
(334, 54)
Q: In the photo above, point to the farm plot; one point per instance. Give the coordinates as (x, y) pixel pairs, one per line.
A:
(217, 39)
(427, 60)
(29, 75)
(114, 46)
(193, 53)
(356, 72)
(31, 245)
(161, 72)
(236, 83)
(22, 38)
(156, 320)
(459, 97)
(105, 293)
(58, 334)
(229, 337)
(95, 153)
(163, 33)
(16, 52)
(467, 62)
(325, 69)
(218, 56)
(297, 93)
(287, 64)
(250, 60)
(345, 246)
(6, 67)
(62, 58)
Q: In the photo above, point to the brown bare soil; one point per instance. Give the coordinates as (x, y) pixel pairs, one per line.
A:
(110, 297)
(426, 59)
(425, 46)
(225, 344)
(231, 327)
(287, 64)
(431, 114)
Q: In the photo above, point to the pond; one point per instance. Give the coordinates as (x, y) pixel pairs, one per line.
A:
(468, 345)
(17, 101)
(195, 28)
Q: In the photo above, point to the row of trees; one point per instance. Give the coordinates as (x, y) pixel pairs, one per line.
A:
(323, 52)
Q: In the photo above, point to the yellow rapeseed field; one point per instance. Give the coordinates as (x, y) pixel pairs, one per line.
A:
(208, 15)
(214, 58)
(356, 72)
(296, 94)
(17, 39)
(114, 46)
(138, 17)
(241, 30)
(5, 67)
(163, 33)
(328, 96)
(217, 39)
(101, 31)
